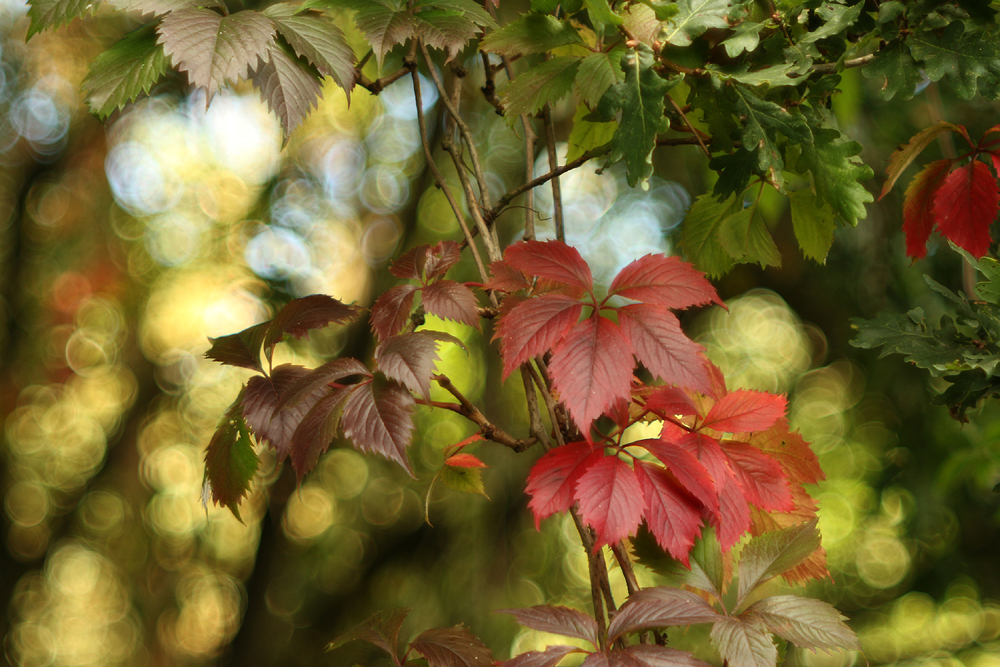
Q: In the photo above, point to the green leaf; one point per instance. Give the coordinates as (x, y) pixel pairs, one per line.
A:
(125, 71)
(587, 135)
(46, 14)
(214, 49)
(962, 59)
(743, 643)
(896, 66)
(694, 17)
(813, 222)
(637, 104)
(836, 18)
(316, 38)
(532, 33)
(989, 290)
(745, 38)
(836, 173)
(745, 237)
(734, 170)
(699, 235)
(446, 30)
(773, 553)
(547, 82)
(601, 14)
(597, 73)
(288, 86)
(383, 26)
(776, 75)
(230, 461)
(642, 23)
(463, 480)
(805, 622)
(706, 556)
(467, 8)
(762, 121)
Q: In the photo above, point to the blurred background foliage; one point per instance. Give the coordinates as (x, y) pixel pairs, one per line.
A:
(123, 247)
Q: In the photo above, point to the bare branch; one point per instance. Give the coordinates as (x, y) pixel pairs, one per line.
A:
(504, 201)
(489, 430)
(550, 145)
(691, 127)
(830, 68)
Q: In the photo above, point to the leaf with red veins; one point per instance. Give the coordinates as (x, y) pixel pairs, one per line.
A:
(764, 481)
(550, 657)
(790, 450)
(610, 499)
(380, 421)
(552, 260)
(442, 257)
(660, 607)
(966, 205)
(744, 410)
(918, 209)
(733, 517)
(689, 471)
(663, 348)
(505, 278)
(300, 316)
(591, 368)
(552, 480)
(673, 516)
(451, 301)
(260, 406)
(452, 647)
(391, 311)
(556, 620)
(319, 378)
(534, 326)
(664, 281)
(670, 401)
(410, 358)
(317, 430)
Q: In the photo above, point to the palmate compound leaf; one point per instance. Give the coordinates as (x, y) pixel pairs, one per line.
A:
(744, 410)
(733, 517)
(534, 326)
(550, 657)
(162, 7)
(965, 206)
(385, 24)
(662, 347)
(215, 49)
(319, 378)
(591, 368)
(391, 311)
(46, 14)
(743, 643)
(664, 281)
(645, 655)
(552, 260)
(289, 86)
(770, 554)
(552, 480)
(557, 620)
(380, 629)
(451, 301)
(451, 25)
(660, 607)
(315, 37)
(805, 622)
(610, 499)
(427, 262)
(230, 461)
(409, 359)
(379, 419)
(127, 70)
(763, 480)
(672, 515)
(452, 647)
(687, 469)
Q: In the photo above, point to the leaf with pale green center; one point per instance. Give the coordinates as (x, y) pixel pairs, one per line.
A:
(531, 33)
(532, 89)
(744, 644)
(127, 70)
(637, 104)
(214, 49)
(813, 222)
(587, 135)
(694, 17)
(46, 14)
(805, 622)
(315, 37)
(836, 173)
(746, 238)
(770, 554)
(895, 68)
(289, 87)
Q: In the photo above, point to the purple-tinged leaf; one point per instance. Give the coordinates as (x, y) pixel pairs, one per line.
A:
(596, 660)
(289, 86)
(316, 430)
(300, 316)
(240, 349)
(410, 265)
(315, 37)
(442, 257)
(230, 461)
(380, 629)
(557, 620)
(805, 622)
(534, 326)
(452, 647)
(744, 644)
(261, 399)
(610, 499)
(664, 281)
(649, 655)
(319, 378)
(660, 607)
(673, 516)
(552, 260)
(552, 480)
(409, 358)
(663, 348)
(215, 49)
(451, 301)
(391, 311)
(550, 657)
(770, 554)
(380, 421)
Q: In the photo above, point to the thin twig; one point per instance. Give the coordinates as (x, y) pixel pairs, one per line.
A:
(679, 141)
(625, 563)
(594, 568)
(529, 170)
(697, 136)
(536, 427)
(504, 201)
(550, 404)
(490, 87)
(550, 145)
(489, 430)
(830, 68)
(378, 85)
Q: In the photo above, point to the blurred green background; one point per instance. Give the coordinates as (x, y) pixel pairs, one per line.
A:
(124, 246)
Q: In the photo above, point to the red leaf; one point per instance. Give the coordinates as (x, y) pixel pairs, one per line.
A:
(451, 301)
(550, 657)
(240, 349)
(672, 515)
(552, 480)
(318, 378)
(663, 348)
(660, 607)
(391, 311)
(733, 517)
(557, 620)
(903, 156)
(590, 368)
(745, 410)
(409, 358)
(409, 265)
(381, 421)
(440, 258)
(649, 655)
(464, 461)
(452, 647)
(534, 326)
(505, 278)
(791, 451)
(688, 470)
(316, 430)
(664, 281)
(763, 480)
(669, 401)
(552, 260)
(300, 316)
(262, 399)
(918, 209)
(610, 499)
(965, 206)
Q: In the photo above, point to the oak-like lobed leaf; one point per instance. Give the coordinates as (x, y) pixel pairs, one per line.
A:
(300, 316)
(240, 349)
(662, 347)
(289, 86)
(672, 515)
(409, 358)
(535, 326)
(744, 643)
(451, 301)
(317, 430)
(230, 461)
(965, 206)
(552, 480)
(744, 410)
(805, 622)
(125, 71)
(918, 206)
(315, 37)
(380, 629)
(263, 395)
(770, 554)
(391, 311)
(551, 260)
(660, 607)
(610, 499)
(380, 420)
(557, 620)
(550, 657)
(452, 647)
(664, 281)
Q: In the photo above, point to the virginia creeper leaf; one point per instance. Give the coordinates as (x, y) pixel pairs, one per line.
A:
(667, 401)
(445, 29)
(649, 655)
(733, 517)
(664, 281)
(610, 499)
(672, 515)
(557, 620)
(380, 421)
(441, 257)
(240, 349)
(452, 647)
(451, 301)
(790, 450)
(805, 622)
(289, 86)
(642, 22)
(230, 461)
(535, 326)
(46, 14)
(391, 311)
(300, 316)
(688, 470)
(380, 629)
(320, 377)
(903, 156)
(409, 358)
(505, 278)
(918, 209)
(161, 7)
(552, 480)
(316, 430)
(319, 40)
(263, 396)
(743, 644)
(965, 206)
(762, 478)
(550, 657)
(384, 26)
(771, 554)
(552, 260)
(547, 82)
(744, 410)
(660, 607)
(125, 71)
(531, 33)
(661, 346)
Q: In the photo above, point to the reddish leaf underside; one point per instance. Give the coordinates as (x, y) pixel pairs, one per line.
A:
(663, 348)
(672, 515)
(409, 358)
(441, 257)
(534, 326)
(550, 657)
(391, 311)
(451, 301)
(552, 260)
(380, 421)
(557, 620)
(965, 205)
(664, 281)
(918, 209)
(262, 397)
(316, 430)
(319, 378)
(743, 410)
(552, 480)
(743, 644)
(300, 316)
(805, 622)
(452, 647)
(610, 499)
(380, 629)
(659, 607)
(688, 470)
